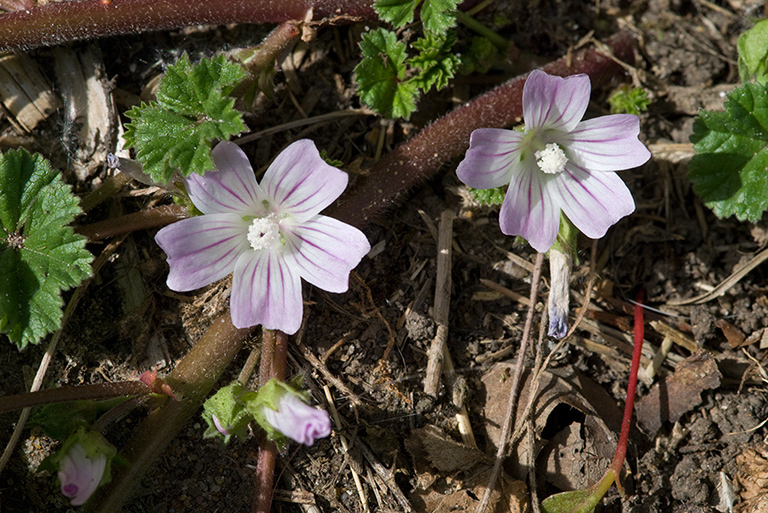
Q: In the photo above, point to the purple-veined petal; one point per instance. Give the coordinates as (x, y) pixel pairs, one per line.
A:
(323, 250)
(555, 103)
(202, 249)
(266, 291)
(593, 201)
(490, 159)
(607, 143)
(231, 188)
(301, 183)
(298, 421)
(529, 209)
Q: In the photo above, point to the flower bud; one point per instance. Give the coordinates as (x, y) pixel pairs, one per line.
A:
(297, 420)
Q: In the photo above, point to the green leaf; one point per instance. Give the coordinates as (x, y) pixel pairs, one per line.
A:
(436, 62)
(729, 169)
(192, 109)
(380, 76)
(40, 254)
(564, 502)
(438, 15)
(753, 53)
(629, 100)
(397, 12)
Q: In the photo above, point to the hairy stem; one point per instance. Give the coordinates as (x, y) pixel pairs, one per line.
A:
(62, 22)
(193, 378)
(141, 220)
(447, 138)
(72, 393)
(274, 352)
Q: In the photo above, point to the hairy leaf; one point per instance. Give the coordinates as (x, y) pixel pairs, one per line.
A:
(380, 76)
(397, 12)
(436, 62)
(192, 109)
(729, 169)
(40, 254)
(438, 15)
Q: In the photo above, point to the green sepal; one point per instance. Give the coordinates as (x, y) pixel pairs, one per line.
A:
(269, 396)
(226, 404)
(493, 196)
(94, 444)
(40, 254)
(753, 53)
(728, 171)
(436, 63)
(192, 110)
(380, 76)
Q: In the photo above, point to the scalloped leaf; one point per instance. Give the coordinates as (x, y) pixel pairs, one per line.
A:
(40, 254)
(729, 169)
(380, 76)
(192, 110)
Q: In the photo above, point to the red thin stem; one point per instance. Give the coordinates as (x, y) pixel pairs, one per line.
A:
(639, 332)
(72, 393)
(274, 353)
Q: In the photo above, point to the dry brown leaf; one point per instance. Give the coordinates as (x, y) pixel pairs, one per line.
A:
(753, 479)
(466, 496)
(678, 393)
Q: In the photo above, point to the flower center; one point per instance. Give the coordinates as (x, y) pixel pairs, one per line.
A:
(551, 159)
(263, 232)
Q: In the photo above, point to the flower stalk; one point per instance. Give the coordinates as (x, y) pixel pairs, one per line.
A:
(72, 393)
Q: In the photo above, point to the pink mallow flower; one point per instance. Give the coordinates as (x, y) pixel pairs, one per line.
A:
(297, 420)
(269, 235)
(79, 474)
(559, 163)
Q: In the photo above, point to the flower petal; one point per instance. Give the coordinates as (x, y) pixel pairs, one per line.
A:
(593, 201)
(491, 158)
(529, 208)
(230, 188)
(555, 103)
(266, 291)
(607, 143)
(301, 183)
(299, 421)
(324, 250)
(202, 249)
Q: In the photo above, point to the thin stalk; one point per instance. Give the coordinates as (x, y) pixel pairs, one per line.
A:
(57, 23)
(141, 220)
(497, 41)
(274, 353)
(193, 378)
(515, 387)
(72, 393)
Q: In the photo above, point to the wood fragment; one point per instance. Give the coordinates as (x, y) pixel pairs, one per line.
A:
(678, 337)
(442, 303)
(25, 92)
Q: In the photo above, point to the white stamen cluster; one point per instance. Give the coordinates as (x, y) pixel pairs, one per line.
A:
(551, 159)
(263, 232)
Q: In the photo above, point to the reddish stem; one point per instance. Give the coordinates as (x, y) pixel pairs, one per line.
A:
(141, 220)
(72, 393)
(447, 138)
(274, 352)
(639, 332)
(61, 22)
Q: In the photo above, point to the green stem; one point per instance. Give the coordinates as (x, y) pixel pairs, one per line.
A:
(497, 41)
(72, 393)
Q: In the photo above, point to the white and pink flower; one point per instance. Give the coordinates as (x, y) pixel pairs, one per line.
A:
(297, 420)
(80, 475)
(268, 235)
(558, 164)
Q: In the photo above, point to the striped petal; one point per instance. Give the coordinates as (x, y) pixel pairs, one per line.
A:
(554, 103)
(607, 143)
(491, 158)
(530, 210)
(593, 201)
(301, 183)
(324, 250)
(230, 188)
(202, 249)
(266, 291)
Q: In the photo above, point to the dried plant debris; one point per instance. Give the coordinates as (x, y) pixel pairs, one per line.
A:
(753, 479)
(678, 393)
